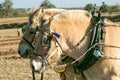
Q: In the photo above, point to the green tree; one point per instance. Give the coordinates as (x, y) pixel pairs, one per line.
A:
(116, 7)
(1, 7)
(7, 7)
(89, 7)
(106, 8)
(19, 12)
(47, 4)
(2, 12)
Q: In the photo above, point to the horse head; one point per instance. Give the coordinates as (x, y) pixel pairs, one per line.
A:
(26, 44)
(37, 18)
(45, 50)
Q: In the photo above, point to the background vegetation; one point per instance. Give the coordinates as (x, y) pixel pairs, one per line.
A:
(7, 10)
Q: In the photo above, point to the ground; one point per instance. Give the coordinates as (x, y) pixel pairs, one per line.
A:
(12, 66)
(13, 20)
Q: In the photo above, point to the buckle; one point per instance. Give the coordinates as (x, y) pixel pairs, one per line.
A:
(60, 68)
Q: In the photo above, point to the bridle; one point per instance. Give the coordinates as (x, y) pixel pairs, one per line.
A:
(30, 55)
(43, 59)
(33, 33)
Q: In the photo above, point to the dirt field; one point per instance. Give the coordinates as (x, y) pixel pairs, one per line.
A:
(13, 20)
(12, 66)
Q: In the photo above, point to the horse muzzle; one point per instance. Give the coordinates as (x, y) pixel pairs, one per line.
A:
(23, 51)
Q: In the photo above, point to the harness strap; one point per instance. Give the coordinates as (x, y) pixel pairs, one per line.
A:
(28, 42)
(92, 56)
(58, 48)
(52, 54)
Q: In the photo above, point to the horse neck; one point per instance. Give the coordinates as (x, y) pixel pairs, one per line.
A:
(112, 39)
(51, 12)
(71, 35)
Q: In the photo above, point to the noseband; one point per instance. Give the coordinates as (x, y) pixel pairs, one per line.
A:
(28, 42)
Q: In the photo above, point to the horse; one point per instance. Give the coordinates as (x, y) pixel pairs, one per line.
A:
(71, 32)
(35, 15)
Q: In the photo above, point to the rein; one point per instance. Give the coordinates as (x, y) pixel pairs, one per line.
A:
(104, 56)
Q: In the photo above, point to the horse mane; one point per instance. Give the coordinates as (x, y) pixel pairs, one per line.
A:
(52, 11)
(72, 14)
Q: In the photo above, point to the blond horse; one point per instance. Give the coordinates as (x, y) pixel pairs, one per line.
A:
(44, 16)
(26, 44)
(70, 27)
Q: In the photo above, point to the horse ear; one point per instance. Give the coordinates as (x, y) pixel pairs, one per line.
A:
(40, 12)
(51, 18)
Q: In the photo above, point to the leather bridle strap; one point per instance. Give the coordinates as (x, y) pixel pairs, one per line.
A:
(30, 43)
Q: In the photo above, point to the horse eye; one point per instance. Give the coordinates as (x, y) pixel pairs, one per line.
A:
(32, 30)
(46, 40)
(44, 20)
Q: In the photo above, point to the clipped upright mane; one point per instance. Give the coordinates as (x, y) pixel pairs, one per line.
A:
(52, 11)
(72, 14)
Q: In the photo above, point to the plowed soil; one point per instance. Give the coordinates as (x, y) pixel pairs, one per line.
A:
(12, 66)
